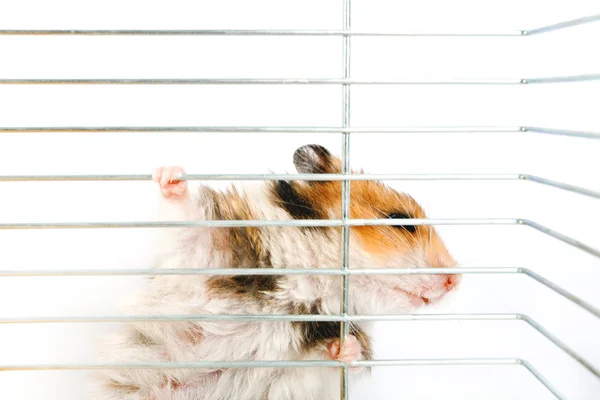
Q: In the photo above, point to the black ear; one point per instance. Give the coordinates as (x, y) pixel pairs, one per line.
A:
(315, 159)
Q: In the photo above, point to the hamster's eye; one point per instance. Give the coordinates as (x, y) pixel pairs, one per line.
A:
(408, 228)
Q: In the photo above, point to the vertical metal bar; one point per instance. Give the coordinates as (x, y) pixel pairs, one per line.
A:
(344, 326)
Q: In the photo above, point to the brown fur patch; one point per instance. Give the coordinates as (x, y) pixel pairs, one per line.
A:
(245, 244)
(143, 339)
(317, 333)
(171, 383)
(124, 388)
(192, 334)
(244, 248)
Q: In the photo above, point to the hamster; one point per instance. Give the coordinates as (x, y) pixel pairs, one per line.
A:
(270, 247)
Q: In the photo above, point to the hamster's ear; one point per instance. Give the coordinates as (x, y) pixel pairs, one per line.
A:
(315, 159)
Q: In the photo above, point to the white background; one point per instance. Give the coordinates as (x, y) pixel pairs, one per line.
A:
(571, 106)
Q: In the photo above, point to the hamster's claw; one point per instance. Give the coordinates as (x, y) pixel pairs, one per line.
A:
(350, 351)
(167, 178)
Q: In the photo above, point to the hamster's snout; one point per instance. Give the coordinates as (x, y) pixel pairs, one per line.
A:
(452, 282)
(445, 284)
(429, 290)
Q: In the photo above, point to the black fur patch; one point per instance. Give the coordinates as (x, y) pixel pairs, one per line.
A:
(251, 287)
(318, 332)
(403, 215)
(297, 206)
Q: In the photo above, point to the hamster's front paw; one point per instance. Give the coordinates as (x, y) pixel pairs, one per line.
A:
(170, 186)
(350, 351)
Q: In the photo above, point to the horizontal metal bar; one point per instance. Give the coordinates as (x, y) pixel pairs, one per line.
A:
(271, 177)
(268, 129)
(251, 32)
(292, 32)
(261, 223)
(259, 271)
(285, 364)
(310, 177)
(304, 271)
(307, 129)
(260, 318)
(564, 24)
(560, 185)
(269, 81)
(261, 364)
(561, 132)
(434, 362)
(305, 81)
(302, 223)
(561, 237)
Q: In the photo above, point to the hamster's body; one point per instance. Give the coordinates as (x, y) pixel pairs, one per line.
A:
(273, 247)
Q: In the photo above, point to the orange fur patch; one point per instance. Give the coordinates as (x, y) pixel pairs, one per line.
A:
(370, 200)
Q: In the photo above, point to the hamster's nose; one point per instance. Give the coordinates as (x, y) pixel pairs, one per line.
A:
(451, 282)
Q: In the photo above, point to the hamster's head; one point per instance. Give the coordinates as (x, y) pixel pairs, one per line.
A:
(404, 246)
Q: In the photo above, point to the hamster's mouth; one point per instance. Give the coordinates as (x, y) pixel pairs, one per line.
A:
(414, 299)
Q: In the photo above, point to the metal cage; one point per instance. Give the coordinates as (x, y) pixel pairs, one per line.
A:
(346, 129)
